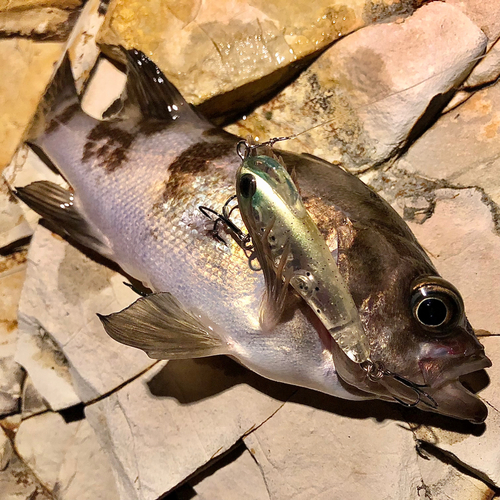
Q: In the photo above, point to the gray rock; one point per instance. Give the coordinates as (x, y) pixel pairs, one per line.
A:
(61, 342)
(162, 427)
(66, 457)
(367, 92)
(5, 450)
(32, 402)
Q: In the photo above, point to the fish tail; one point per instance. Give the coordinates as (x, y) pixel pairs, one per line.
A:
(59, 98)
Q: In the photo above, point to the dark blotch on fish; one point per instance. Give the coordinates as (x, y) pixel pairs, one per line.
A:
(62, 118)
(109, 144)
(194, 161)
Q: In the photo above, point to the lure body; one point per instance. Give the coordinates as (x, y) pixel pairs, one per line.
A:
(273, 211)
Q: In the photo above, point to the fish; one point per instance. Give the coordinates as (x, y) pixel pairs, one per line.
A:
(138, 180)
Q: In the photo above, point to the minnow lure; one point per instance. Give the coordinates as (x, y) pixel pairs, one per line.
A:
(291, 250)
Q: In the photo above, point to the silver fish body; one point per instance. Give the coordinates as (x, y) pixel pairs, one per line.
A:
(138, 182)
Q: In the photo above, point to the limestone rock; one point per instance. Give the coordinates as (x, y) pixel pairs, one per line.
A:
(42, 23)
(5, 450)
(233, 477)
(20, 90)
(29, 4)
(462, 147)
(17, 482)
(66, 457)
(487, 70)
(361, 99)
(163, 426)
(32, 402)
(210, 48)
(61, 342)
(11, 373)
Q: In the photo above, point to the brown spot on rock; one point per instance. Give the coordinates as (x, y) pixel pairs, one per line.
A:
(109, 144)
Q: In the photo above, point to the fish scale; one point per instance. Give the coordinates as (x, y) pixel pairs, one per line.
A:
(139, 180)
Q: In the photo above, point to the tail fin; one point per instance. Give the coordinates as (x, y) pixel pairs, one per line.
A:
(60, 99)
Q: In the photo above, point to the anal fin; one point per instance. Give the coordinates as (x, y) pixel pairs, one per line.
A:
(58, 206)
(159, 325)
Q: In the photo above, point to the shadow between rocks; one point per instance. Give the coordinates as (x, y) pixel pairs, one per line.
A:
(191, 381)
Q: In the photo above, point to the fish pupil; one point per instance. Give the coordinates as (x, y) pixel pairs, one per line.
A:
(248, 186)
(432, 312)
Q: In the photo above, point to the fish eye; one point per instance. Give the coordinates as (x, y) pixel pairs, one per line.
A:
(248, 186)
(436, 304)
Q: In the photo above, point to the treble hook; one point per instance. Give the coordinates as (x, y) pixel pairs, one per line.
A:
(375, 371)
(244, 148)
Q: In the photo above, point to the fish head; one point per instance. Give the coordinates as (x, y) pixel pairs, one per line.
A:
(421, 337)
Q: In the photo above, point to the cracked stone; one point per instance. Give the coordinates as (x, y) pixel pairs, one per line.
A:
(62, 344)
(233, 477)
(163, 426)
(66, 457)
(32, 402)
(211, 48)
(367, 92)
(463, 146)
(11, 373)
(5, 450)
(475, 448)
(487, 70)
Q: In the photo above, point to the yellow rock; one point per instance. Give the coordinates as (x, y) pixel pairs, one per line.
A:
(28, 4)
(30, 69)
(210, 48)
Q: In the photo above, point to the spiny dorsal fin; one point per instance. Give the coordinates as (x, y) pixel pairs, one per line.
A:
(149, 90)
(59, 207)
(159, 325)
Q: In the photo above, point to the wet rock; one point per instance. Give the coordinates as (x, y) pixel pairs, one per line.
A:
(17, 482)
(366, 94)
(162, 427)
(462, 147)
(61, 342)
(207, 49)
(66, 457)
(20, 91)
(11, 373)
(5, 450)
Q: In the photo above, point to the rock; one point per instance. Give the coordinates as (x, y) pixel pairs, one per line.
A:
(32, 401)
(163, 426)
(11, 373)
(20, 90)
(14, 225)
(363, 97)
(443, 481)
(233, 477)
(474, 447)
(5, 450)
(317, 446)
(211, 48)
(66, 457)
(29, 4)
(17, 482)
(462, 147)
(41, 23)
(485, 13)
(487, 70)
(61, 342)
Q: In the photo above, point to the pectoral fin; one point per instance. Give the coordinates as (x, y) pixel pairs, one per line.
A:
(159, 325)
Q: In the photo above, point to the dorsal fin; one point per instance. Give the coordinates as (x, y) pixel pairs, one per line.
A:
(150, 93)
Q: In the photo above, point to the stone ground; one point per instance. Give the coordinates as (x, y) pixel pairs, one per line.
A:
(410, 105)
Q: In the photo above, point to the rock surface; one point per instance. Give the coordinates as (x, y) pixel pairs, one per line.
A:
(169, 422)
(210, 48)
(366, 94)
(61, 343)
(66, 457)
(487, 70)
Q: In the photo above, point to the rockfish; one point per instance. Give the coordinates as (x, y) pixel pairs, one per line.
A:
(138, 181)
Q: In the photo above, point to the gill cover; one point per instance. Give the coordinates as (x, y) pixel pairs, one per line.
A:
(291, 250)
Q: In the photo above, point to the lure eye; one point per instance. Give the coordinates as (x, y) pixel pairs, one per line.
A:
(248, 186)
(436, 304)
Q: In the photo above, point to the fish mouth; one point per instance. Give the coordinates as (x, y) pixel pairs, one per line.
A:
(452, 398)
